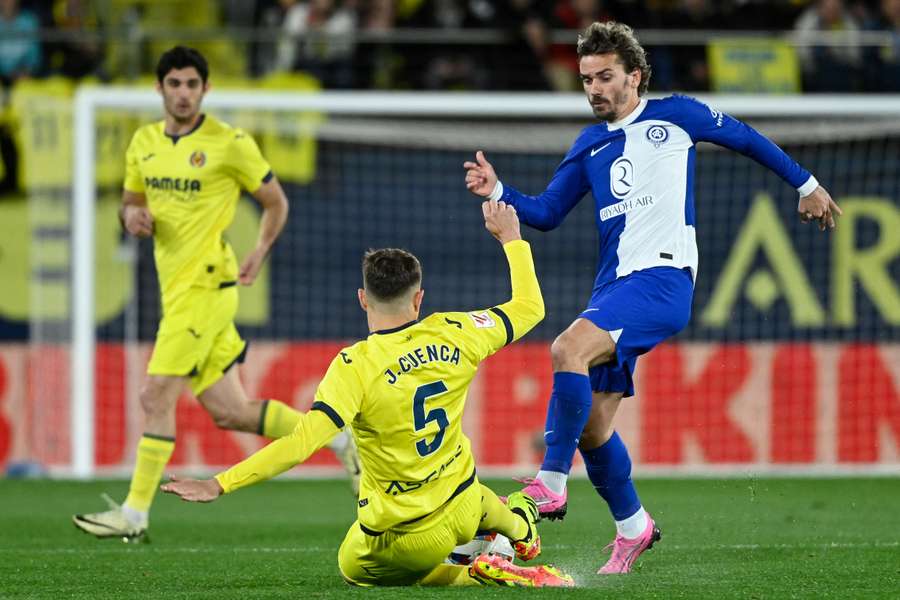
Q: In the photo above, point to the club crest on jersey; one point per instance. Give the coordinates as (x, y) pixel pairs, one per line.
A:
(198, 158)
(483, 320)
(657, 135)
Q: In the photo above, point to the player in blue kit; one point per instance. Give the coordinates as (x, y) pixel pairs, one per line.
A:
(638, 163)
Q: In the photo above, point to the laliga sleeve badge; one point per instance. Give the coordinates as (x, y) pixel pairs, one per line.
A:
(482, 320)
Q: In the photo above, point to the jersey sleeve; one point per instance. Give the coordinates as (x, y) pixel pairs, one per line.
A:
(548, 209)
(340, 393)
(337, 402)
(246, 162)
(489, 330)
(706, 124)
(133, 180)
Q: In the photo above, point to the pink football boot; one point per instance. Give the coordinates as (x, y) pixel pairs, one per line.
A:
(625, 551)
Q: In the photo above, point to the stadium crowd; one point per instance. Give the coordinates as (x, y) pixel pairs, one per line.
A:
(467, 44)
(761, 46)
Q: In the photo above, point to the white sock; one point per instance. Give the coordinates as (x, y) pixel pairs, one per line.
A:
(339, 441)
(135, 517)
(554, 480)
(633, 526)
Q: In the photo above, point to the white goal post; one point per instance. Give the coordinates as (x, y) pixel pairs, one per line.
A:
(89, 100)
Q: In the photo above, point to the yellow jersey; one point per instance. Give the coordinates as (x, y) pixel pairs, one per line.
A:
(403, 391)
(192, 184)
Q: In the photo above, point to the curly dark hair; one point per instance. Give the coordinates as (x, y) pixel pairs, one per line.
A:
(181, 57)
(389, 273)
(618, 38)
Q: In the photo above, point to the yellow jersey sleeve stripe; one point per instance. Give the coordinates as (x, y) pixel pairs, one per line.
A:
(330, 412)
(510, 334)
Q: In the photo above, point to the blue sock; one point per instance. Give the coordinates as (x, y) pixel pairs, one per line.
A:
(570, 406)
(609, 469)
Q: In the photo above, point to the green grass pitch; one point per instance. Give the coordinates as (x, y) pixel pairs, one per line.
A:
(735, 538)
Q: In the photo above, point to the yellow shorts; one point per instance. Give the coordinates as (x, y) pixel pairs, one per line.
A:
(403, 557)
(197, 337)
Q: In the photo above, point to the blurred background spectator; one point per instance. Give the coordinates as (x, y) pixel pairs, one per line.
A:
(882, 61)
(316, 37)
(80, 52)
(840, 45)
(836, 64)
(20, 46)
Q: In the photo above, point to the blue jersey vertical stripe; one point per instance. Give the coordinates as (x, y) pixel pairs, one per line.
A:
(689, 214)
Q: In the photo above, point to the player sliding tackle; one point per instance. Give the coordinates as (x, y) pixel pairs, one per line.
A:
(183, 179)
(638, 163)
(402, 390)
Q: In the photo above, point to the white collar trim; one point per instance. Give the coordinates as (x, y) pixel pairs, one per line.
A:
(630, 118)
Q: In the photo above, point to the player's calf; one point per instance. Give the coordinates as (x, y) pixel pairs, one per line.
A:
(528, 547)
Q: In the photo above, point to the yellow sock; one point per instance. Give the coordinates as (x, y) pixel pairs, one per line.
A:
(497, 517)
(456, 575)
(277, 419)
(153, 453)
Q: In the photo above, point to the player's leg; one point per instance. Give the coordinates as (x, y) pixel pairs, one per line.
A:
(218, 387)
(158, 399)
(581, 345)
(459, 522)
(230, 408)
(608, 467)
(412, 554)
(517, 520)
(648, 307)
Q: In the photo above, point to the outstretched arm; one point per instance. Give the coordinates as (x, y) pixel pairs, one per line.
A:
(713, 126)
(526, 307)
(545, 211)
(314, 430)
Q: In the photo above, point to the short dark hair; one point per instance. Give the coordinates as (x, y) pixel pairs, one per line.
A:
(618, 38)
(181, 57)
(388, 273)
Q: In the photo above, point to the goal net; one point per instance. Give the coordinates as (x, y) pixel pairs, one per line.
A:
(790, 363)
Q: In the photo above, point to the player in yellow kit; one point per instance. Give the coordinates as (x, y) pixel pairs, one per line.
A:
(184, 176)
(403, 391)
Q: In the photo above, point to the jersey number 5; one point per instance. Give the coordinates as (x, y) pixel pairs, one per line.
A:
(422, 418)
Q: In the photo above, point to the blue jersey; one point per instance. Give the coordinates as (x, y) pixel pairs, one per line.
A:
(640, 171)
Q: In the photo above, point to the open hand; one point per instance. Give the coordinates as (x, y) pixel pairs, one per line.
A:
(193, 490)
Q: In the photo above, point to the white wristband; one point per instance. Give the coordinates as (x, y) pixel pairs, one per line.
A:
(497, 192)
(809, 187)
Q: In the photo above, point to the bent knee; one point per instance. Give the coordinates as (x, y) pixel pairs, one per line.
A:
(228, 419)
(564, 353)
(156, 400)
(569, 353)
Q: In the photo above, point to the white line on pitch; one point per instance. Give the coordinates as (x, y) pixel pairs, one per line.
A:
(314, 549)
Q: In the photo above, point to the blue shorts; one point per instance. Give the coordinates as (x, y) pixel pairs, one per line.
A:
(639, 310)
